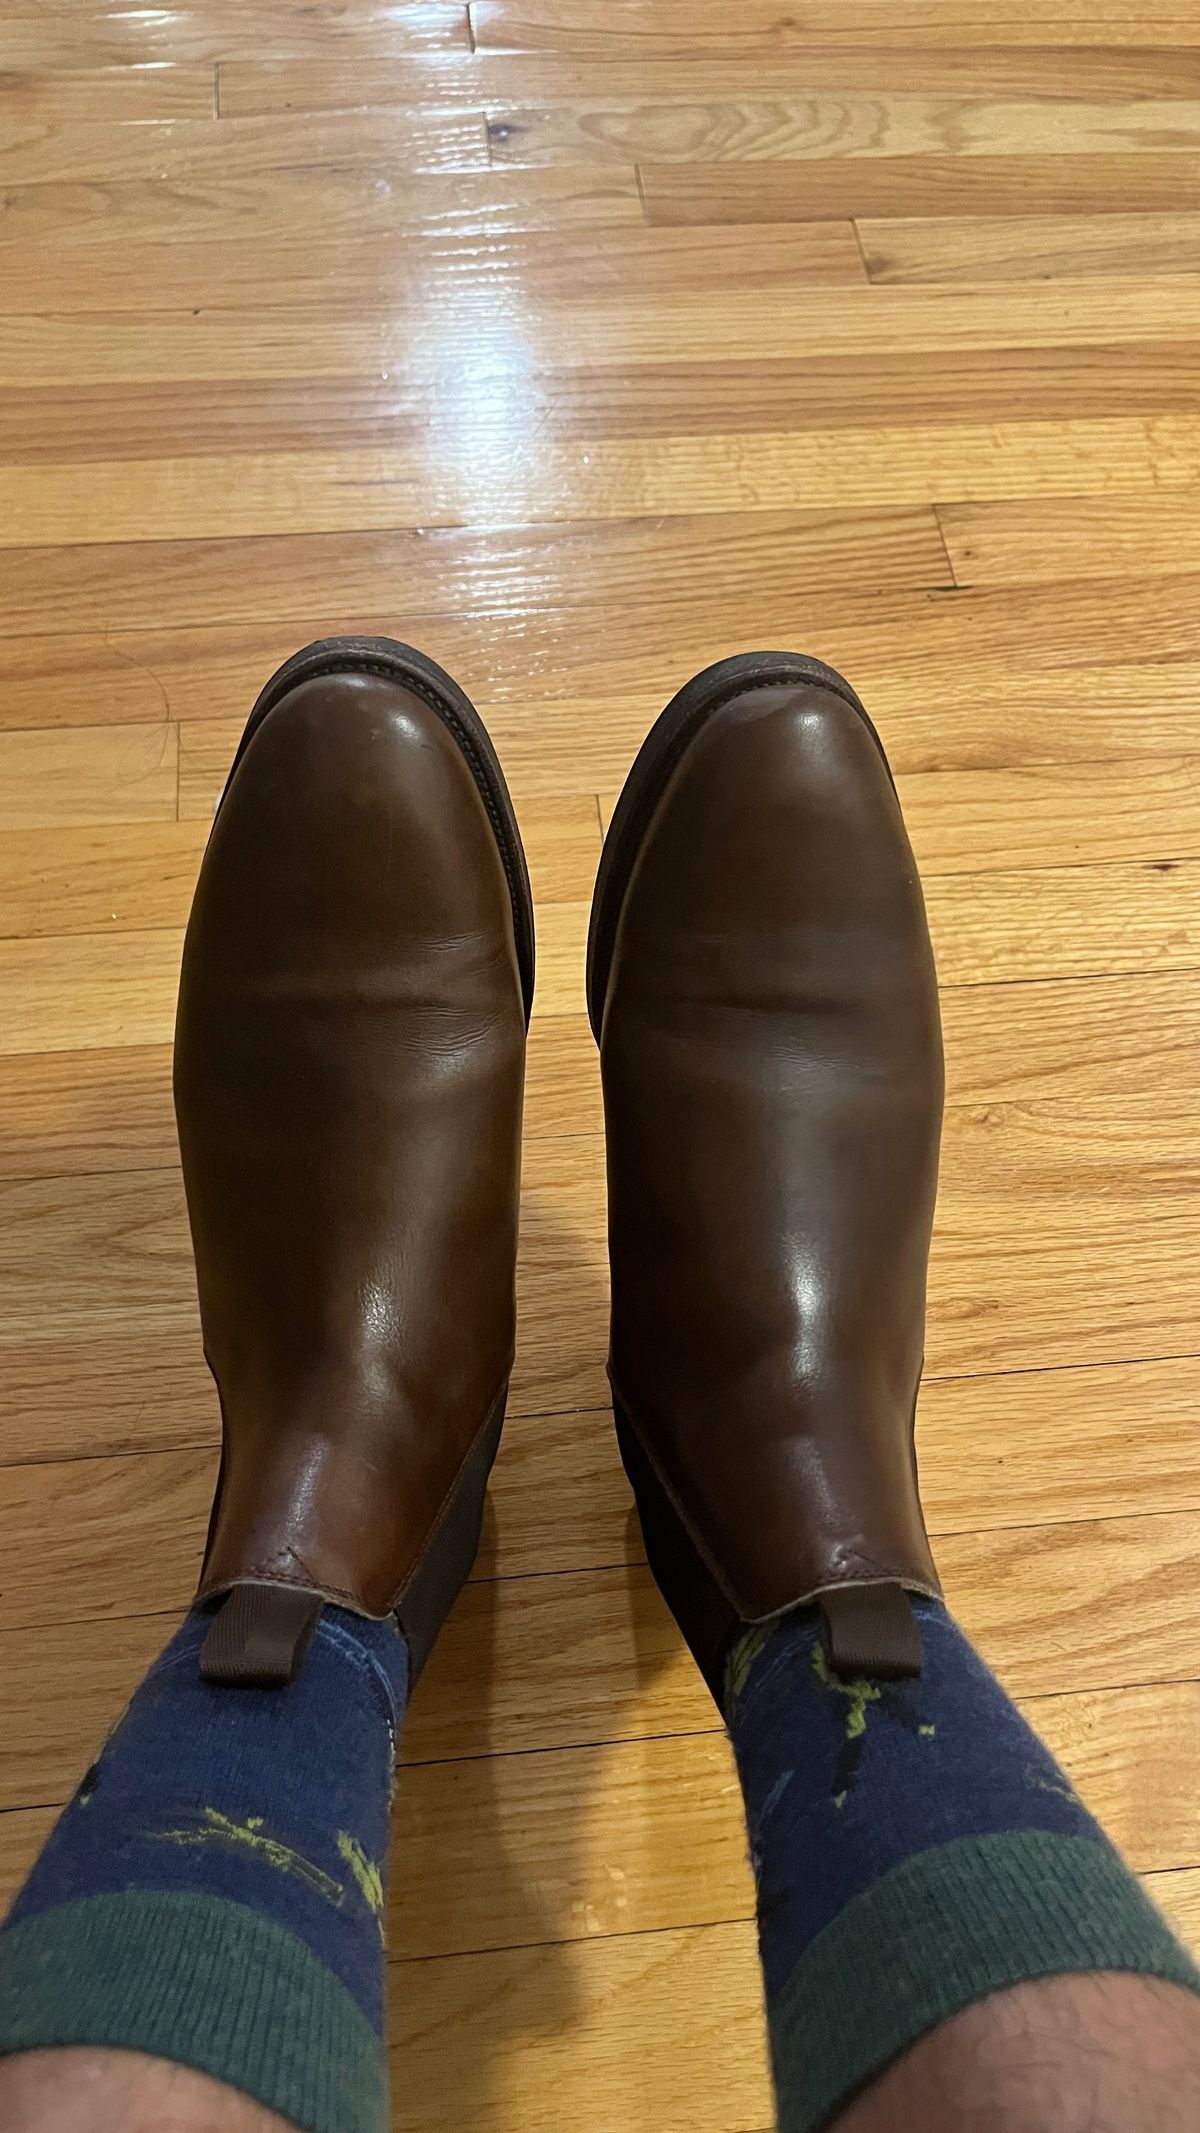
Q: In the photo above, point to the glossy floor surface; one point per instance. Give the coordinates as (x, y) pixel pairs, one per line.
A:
(581, 342)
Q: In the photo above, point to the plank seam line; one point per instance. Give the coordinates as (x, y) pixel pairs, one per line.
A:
(587, 1940)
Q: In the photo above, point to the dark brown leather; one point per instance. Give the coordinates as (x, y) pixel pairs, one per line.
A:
(772, 1066)
(348, 1077)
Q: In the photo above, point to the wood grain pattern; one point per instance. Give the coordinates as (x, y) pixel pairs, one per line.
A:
(100, 36)
(750, 326)
(164, 500)
(97, 880)
(966, 821)
(1011, 544)
(1110, 1036)
(86, 1111)
(450, 570)
(947, 678)
(677, 29)
(582, 342)
(189, 151)
(122, 774)
(1092, 182)
(822, 128)
(562, 258)
(481, 2037)
(1178, 1895)
(347, 202)
(340, 81)
(148, 419)
(112, 95)
(1016, 248)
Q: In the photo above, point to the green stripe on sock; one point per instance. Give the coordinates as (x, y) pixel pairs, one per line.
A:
(942, 1930)
(205, 1982)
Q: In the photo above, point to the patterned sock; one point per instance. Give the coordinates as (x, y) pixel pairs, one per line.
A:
(213, 1894)
(915, 1848)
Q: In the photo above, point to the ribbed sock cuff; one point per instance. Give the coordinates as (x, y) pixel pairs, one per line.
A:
(942, 1930)
(204, 1982)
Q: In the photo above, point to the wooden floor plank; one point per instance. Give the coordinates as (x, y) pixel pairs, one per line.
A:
(90, 989)
(169, 499)
(1113, 669)
(1104, 1036)
(369, 76)
(383, 199)
(563, 260)
(536, 2035)
(1178, 1895)
(74, 682)
(86, 96)
(445, 570)
(676, 28)
(692, 131)
(635, 329)
(100, 36)
(148, 419)
(1065, 921)
(1093, 182)
(1020, 248)
(86, 1111)
(97, 880)
(189, 151)
(1016, 544)
(88, 776)
(622, 1673)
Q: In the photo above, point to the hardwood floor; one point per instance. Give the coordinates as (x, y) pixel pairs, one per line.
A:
(582, 342)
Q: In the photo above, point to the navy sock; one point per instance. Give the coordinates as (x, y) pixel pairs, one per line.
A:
(915, 1847)
(213, 1893)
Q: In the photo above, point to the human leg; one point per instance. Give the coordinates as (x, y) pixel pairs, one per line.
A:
(762, 989)
(348, 1072)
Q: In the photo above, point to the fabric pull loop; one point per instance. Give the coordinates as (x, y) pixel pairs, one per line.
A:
(259, 1637)
(871, 1630)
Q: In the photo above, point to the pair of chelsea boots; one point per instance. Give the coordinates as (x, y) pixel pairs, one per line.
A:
(349, 1060)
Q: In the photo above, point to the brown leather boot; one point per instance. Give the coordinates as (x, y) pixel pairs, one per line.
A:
(762, 987)
(349, 1059)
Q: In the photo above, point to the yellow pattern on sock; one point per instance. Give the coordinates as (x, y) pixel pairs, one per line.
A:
(216, 1828)
(859, 1692)
(367, 1876)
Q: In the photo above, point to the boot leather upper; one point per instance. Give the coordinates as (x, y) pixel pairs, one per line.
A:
(772, 1067)
(348, 1073)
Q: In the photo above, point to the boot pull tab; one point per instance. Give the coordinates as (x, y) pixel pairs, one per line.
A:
(259, 1637)
(871, 1630)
